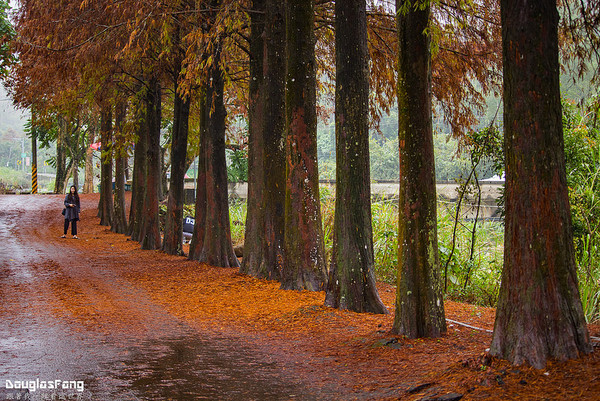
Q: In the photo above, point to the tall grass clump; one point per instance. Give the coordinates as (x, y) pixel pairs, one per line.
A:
(588, 261)
(237, 220)
(385, 217)
(471, 264)
(327, 216)
(385, 233)
(472, 276)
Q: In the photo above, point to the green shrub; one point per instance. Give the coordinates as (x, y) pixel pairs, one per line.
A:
(483, 269)
(237, 220)
(385, 217)
(471, 272)
(582, 157)
(14, 179)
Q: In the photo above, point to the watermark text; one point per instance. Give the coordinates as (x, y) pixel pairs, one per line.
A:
(37, 384)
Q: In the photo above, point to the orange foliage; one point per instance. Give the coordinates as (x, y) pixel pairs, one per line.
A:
(356, 350)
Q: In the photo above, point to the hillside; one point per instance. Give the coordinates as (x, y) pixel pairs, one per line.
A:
(10, 118)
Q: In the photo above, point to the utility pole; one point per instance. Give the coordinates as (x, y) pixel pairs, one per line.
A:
(20, 163)
(34, 182)
(23, 154)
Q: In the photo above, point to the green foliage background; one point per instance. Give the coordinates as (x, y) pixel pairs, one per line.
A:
(582, 158)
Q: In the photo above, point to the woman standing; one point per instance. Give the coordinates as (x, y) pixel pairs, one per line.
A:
(71, 211)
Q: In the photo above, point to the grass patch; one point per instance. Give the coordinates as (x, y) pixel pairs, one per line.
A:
(472, 277)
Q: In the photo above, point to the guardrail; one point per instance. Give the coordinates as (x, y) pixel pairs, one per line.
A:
(447, 193)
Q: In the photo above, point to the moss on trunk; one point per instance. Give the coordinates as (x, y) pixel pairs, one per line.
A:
(263, 247)
(217, 249)
(351, 283)
(539, 314)
(304, 266)
(419, 301)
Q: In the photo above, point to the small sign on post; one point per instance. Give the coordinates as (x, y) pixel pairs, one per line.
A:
(188, 228)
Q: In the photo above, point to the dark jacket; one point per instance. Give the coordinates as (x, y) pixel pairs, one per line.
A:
(72, 213)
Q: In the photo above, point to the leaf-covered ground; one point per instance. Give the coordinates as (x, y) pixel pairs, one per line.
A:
(354, 353)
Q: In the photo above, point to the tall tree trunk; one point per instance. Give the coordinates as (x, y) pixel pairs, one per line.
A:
(274, 166)
(75, 172)
(164, 167)
(127, 172)
(539, 314)
(265, 222)
(138, 185)
(217, 248)
(197, 242)
(419, 300)
(88, 183)
(351, 283)
(61, 156)
(173, 237)
(106, 206)
(75, 165)
(253, 236)
(119, 223)
(69, 171)
(304, 266)
(150, 230)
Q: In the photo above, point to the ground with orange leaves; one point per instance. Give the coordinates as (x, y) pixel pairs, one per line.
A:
(322, 346)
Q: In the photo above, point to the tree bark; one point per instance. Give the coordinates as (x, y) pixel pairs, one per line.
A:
(304, 266)
(274, 166)
(75, 171)
(197, 242)
(173, 237)
(217, 248)
(351, 283)
(150, 230)
(68, 172)
(254, 233)
(419, 301)
(138, 185)
(164, 167)
(106, 206)
(61, 156)
(539, 314)
(265, 222)
(119, 223)
(88, 181)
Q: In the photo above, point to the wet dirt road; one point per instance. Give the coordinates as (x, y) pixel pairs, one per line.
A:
(128, 349)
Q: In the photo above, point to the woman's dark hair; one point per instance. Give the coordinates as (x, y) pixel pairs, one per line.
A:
(75, 196)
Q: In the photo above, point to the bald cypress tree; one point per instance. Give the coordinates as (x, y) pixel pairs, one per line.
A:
(150, 232)
(419, 302)
(217, 248)
(304, 266)
(265, 224)
(351, 283)
(539, 314)
(106, 205)
(119, 223)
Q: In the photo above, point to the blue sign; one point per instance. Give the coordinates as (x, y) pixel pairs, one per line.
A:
(188, 225)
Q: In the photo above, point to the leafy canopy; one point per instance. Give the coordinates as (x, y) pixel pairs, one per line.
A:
(7, 33)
